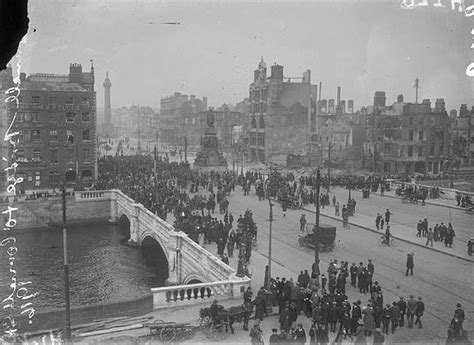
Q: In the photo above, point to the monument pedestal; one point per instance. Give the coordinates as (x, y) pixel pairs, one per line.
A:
(209, 158)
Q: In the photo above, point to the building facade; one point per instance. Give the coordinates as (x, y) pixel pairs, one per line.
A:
(174, 112)
(281, 115)
(407, 138)
(57, 124)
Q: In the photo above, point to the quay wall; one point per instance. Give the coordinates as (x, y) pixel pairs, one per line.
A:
(54, 318)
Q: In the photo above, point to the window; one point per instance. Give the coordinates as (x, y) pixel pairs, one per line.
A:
(37, 155)
(86, 153)
(432, 150)
(420, 135)
(420, 151)
(52, 118)
(35, 117)
(441, 149)
(36, 135)
(52, 100)
(20, 156)
(410, 151)
(86, 117)
(410, 121)
(35, 99)
(85, 101)
(70, 117)
(53, 134)
(410, 135)
(70, 155)
(27, 135)
(70, 137)
(387, 148)
(69, 100)
(20, 117)
(421, 121)
(262, 123)
(27, 117)
(54, 156)
(20, 99)
(85, 134)
(254, 123)
(194, 121)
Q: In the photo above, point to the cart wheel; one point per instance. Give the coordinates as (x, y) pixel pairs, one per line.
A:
(167, 334)
(301, 242)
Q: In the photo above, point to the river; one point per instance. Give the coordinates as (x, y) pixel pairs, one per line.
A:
(102, 268)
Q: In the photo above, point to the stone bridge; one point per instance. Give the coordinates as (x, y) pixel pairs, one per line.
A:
(186, 261)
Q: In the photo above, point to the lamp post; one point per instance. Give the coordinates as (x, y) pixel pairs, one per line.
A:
(329, 166)
(315, 269)
(67, 325)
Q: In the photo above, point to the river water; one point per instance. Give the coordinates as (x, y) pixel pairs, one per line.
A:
(102, 268)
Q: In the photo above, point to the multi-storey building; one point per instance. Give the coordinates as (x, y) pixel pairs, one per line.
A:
(407, 138)
(462, 132)
(57, 124)
(281, 115)
(174, 112)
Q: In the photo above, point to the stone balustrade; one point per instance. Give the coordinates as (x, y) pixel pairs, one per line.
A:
(100, 194)
(184, 295)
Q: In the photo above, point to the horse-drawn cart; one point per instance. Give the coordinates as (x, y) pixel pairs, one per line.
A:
(326, 237)
(171, 331)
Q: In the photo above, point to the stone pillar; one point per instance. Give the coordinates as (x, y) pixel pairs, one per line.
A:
(135, 225)
(113, 206)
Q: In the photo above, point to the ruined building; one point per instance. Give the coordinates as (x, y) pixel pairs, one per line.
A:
(281, 115)
(406, 138)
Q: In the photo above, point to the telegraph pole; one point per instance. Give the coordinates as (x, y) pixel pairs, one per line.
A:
(67, 325)
(316, 229)
(186, 149)
(329, 167)
(269, 277)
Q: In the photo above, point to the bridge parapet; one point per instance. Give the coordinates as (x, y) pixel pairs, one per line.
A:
(185, 295)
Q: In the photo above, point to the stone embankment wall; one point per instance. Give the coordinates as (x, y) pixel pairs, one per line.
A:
(42, 212)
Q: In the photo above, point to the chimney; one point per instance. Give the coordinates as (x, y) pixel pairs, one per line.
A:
(463, 112)
(440, 105)
(400, 99)
(338, 96)
(379, 99)
(350, 106)
(427, 103)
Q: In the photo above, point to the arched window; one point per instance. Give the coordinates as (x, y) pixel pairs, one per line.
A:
(262, 123)
(254, 123)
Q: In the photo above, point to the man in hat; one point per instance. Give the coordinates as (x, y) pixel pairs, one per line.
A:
(410, 264)
(402, 307)
(256, 334)
(299, 335)
(420, 309)
(356, 316)
(274, 338)
(459, 312)
(386, 317)
(411, 311)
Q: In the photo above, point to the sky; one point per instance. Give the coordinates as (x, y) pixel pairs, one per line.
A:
(362, 46)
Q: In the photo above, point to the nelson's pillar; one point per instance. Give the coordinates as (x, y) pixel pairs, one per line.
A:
(107, 110)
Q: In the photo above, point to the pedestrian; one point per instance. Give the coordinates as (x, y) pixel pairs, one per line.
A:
(382, 222)
(386, 317)
(299, 335)
(411, 311)
(429, 237)
(459, 314)
(410, 264)
(402, 307)
(302, 222)
(420, 309)
(274, 338)
(256, 334)
(377, 221)
(368, 320)
(336, 209)
(387, 216)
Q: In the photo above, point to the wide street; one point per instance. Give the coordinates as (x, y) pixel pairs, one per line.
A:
(440, 279)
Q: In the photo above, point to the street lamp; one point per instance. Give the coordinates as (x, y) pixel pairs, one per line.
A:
(315, 270)
(67, 325)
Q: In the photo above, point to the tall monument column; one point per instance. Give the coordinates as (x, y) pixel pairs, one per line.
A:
(107, 110)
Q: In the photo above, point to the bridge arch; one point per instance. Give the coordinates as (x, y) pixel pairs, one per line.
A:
(155, 254)
(124, 224)
(193, 278)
